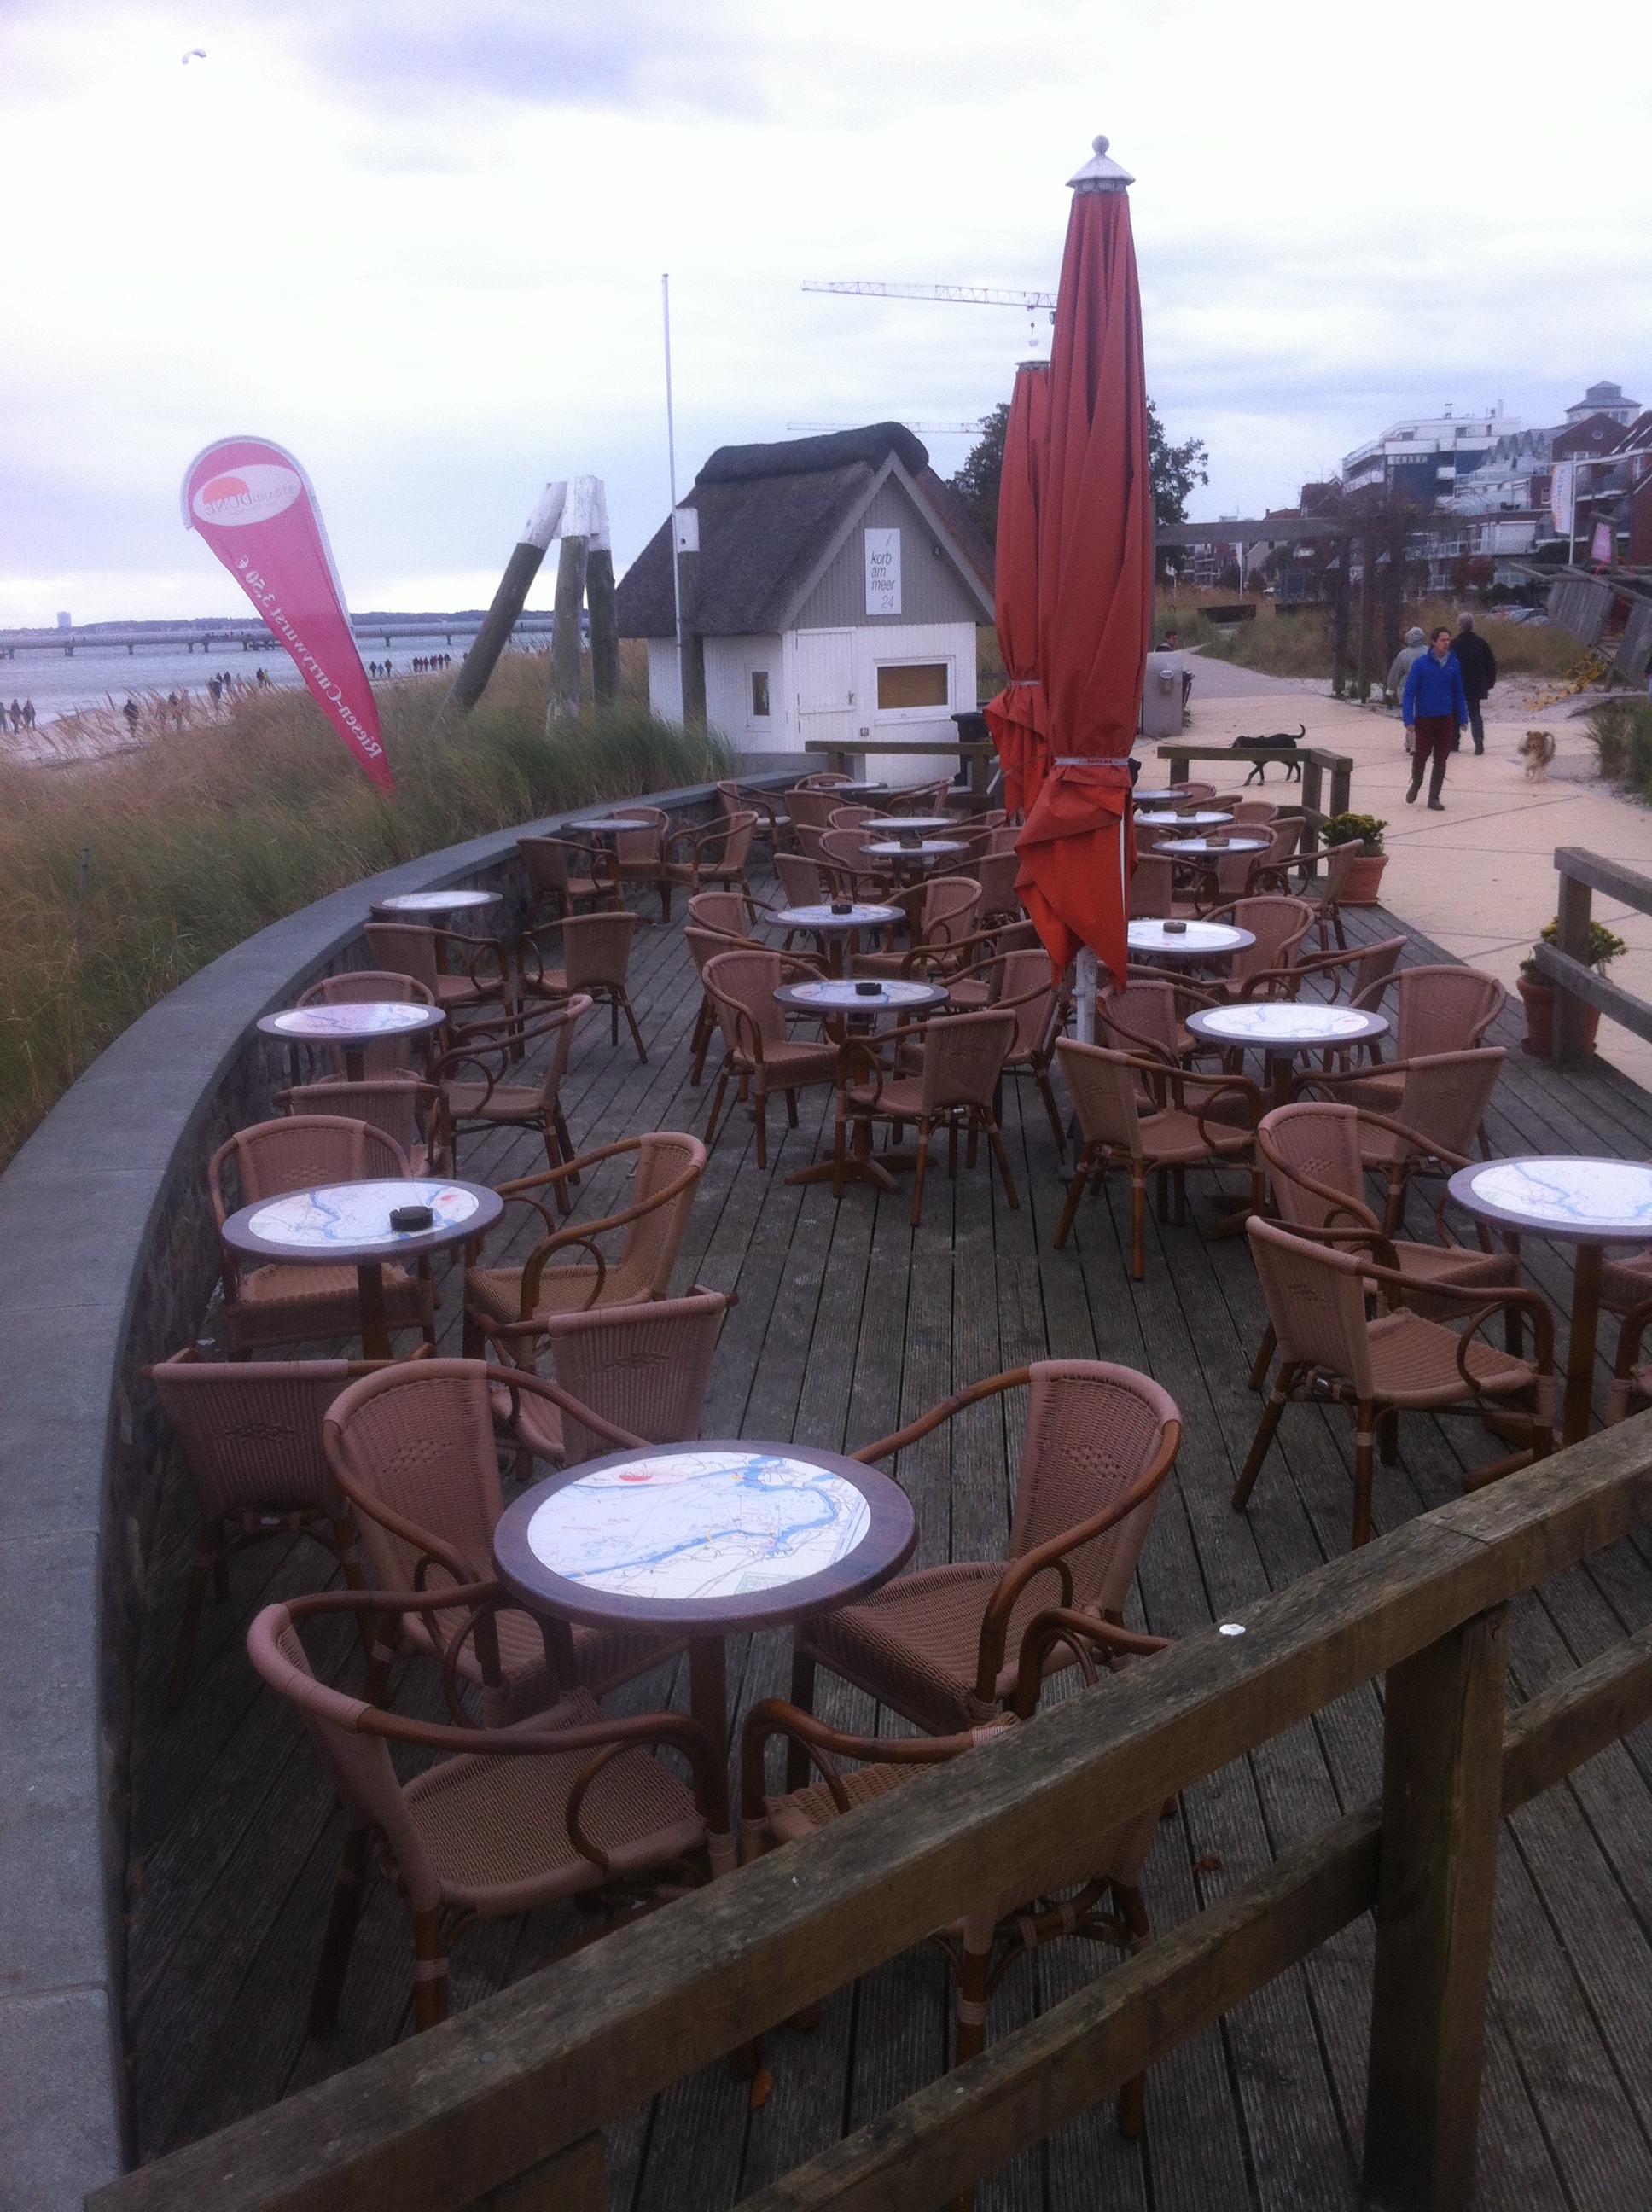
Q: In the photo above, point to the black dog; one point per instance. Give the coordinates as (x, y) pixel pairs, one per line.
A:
(1280, 739)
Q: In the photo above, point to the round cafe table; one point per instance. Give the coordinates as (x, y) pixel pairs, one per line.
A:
(704, 1541)
(348, 1224)
(832, 927)
(428, 902)
(352, 1027)
(923, 853)
(1191, 941)
(611, 825)
(1590, 1203)
(1166, 818)
(845, 1007)
(1206, 848)
(917, 823)
(1280, 1029)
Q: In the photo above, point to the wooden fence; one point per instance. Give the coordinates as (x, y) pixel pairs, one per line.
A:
(499, 2108)
(1565, 963)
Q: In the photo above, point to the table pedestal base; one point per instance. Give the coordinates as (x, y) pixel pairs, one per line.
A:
(376, 1332)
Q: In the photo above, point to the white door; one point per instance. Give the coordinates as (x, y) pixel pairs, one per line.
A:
(827, 712)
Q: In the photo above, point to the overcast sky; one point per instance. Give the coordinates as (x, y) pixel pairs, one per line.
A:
(420, 244)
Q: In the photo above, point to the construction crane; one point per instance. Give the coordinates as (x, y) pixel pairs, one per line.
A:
(963, 296)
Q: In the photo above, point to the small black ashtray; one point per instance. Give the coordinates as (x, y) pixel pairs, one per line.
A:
(406, 1217)
(842, 906)
(868, 990)
(1175, 929)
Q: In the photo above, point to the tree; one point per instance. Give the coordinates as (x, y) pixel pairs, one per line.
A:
(976, 482)
(1173, 470)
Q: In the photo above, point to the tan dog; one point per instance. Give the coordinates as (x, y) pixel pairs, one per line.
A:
(1537, 748)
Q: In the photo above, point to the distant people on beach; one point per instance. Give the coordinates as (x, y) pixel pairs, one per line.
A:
(17, 717)
(29, 714)
(261, 677)
(1479, 666)
(130, 710)
(428, 664)
(215, 690)
(1415, 643)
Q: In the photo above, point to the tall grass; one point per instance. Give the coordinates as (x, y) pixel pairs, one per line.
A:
(1301, 645)
(211, 833)
(1622, 730)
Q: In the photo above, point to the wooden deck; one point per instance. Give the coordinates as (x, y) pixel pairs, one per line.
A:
(850, 1321)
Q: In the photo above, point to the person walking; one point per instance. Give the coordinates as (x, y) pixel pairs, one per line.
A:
(1479, 666)
(1434, 710)
(1415, 643)
(130, 712)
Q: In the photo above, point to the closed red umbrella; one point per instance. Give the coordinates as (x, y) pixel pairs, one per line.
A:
(1015, 716)
(1094, 581)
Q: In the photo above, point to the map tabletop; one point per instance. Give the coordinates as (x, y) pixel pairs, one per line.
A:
(1151, 936)
(436, 901)
(722, 1531)
(350, 1221)
(355, 1018)
(1286, 1023)
(892, 847)
(1201, 819)
(821, 917)
(1595, 1201)
(846, 997)
(1211, 845)
(908, 822)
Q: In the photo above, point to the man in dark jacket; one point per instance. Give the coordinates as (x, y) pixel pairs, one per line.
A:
(1435, 710)
(1478, 664)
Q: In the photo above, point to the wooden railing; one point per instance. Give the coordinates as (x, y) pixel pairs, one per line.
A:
(1565, 963)
(1313, 761)
(500, 2107)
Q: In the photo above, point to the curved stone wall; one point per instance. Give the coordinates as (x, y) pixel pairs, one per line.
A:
(107, 1257)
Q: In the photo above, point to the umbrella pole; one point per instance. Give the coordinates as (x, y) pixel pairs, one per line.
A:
(1085, 967)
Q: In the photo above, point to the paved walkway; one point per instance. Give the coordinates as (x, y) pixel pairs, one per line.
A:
(1480, 878)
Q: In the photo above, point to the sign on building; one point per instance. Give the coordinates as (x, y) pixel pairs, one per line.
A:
(882, 572)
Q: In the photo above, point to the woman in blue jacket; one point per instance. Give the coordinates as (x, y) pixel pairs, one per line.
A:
(1435, 708)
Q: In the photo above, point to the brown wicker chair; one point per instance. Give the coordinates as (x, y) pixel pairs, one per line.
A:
(980, 1943)
(644, 1368)
(415, 1457)
(1399, 1362)
(1025, 989)
(812, 807)
(1149, 1016)
(1441, 1009)
(574, 1804)
(399, 1106)
(1441, 1113)
(799, 879)
(852, 872)
(1315, 1154)
(1278, 924)
(757, 1050)
(596, 961)
(359, 987)
(973, 967)
(250, 1433)
(639, 855)
(962, 1059)
(996, 873)
(942, 1646)
(473, 1094)
(773, 822)
(463, 974)
(560, 873)
(1631, 1379)
(1323, 878)
(284, 1304)
(1168, 1131)
(942, 914)
(714, 856)
(668, 1166)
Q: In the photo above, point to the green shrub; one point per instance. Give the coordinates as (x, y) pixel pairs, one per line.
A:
(204, 837)
(1604, 948)
(1342, 829)
(1622, 731)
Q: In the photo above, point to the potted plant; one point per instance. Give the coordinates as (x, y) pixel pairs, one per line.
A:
(1363, 886)
(1537, 992)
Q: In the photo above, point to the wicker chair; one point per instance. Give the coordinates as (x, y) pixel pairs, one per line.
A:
(1024, 987)
(596, 961)
(811, 807)
(284, 1304)
(715, 855)
(954, 1087)
(572, 1805)
(1441, 1114)
(1152, 889)
(851, 873)
(942, 1646)
(1359, 976)
(996, 873)
(1400, 1362)
(362, 987)
(1175, 1132)
(1632, 1378)
(482, 978)
(981, 1943)
(773, 822)
(704, 942)
(757, 1050)
(1326, 888)
(1278, 924)
(639, 855)
(1438, 1009)
(250, 1432)
(1315, 1155)
(473, 1094)
(399, 1106)
(942, 914)
(417, 1462)
(973, 967)
(1255, 810)
(560, 873)
(1149, 1016)
(644, 1368)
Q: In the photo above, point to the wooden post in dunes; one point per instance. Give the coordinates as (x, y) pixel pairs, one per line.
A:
(565, 638)
(586, 557)
(1339, 619)
(471, 680)
(605, 626)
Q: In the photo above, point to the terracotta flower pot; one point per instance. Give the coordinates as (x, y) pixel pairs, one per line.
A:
(1363, 886)
(1539, 1019)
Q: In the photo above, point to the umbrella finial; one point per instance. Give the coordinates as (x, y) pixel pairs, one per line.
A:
(1101, 174)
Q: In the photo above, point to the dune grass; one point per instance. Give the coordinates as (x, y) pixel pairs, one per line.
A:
(206, 834)
(1622, 730)
(1301, 645)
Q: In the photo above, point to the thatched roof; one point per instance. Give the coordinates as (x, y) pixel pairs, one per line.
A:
(768, 516)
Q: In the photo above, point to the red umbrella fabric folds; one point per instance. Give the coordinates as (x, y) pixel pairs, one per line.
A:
(1015, 716)
(1094, 581)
